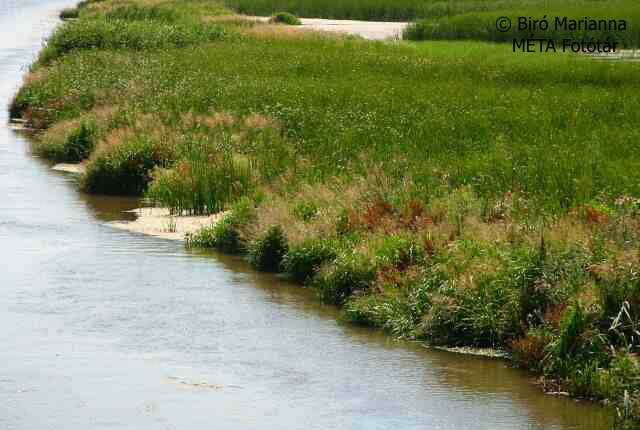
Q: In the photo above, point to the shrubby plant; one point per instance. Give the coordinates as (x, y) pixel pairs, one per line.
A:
(225, 235)
(303, 261)
(69, 13)
(126, 168)
(285, 18)
(70, 142)
(267, 251)
(348, 273)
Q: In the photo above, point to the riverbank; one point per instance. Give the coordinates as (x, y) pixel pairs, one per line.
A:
(151, 221)
(403, 182)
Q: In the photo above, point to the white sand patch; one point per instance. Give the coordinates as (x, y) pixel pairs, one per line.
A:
(78, 168)
(621, 54)
(160, 223)
(374, 30)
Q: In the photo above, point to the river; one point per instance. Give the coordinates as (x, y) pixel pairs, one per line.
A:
(106, 329)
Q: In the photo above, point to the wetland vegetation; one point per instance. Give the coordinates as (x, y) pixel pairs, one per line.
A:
(452, 192)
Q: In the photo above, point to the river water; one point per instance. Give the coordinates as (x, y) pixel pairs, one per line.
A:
(105, 329)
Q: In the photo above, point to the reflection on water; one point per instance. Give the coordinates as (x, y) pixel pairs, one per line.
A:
(110, 208)
(103, 328)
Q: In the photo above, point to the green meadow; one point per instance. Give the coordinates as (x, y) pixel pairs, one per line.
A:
(468, 19)
(457, 10)
(449, 191)
(478, 23)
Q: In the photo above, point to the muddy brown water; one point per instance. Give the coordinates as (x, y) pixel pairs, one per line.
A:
(105, 329)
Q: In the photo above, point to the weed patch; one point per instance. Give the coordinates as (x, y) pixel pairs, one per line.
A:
(68, 142)
(266, 252)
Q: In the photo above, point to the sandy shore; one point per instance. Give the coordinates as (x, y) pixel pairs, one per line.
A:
(482, 352)
(368, 29)
(77, 169)
(156, 222)
(373, 30)
(159, 222)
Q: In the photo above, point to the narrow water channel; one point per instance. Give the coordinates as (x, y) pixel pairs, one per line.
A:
(105, 329)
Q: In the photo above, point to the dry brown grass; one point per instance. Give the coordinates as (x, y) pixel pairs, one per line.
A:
(470, 253)
(113, 138)
(35, 76)
(230, 19)
(265, 31)
(60, 130)
(148, 124)
(260, 122)
(106, 5)
(211, 120)
(103, 113)
(279, 210)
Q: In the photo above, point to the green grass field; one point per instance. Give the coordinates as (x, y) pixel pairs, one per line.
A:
(466, 19)
(449, 191)
(478, 23)
(409, 10)
(475, 113)
(384, 10)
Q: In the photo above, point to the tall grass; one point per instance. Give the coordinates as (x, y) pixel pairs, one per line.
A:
(200, 187)
(454, 113)
(125, 34)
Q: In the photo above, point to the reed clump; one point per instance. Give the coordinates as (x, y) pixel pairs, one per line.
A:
(200, 187)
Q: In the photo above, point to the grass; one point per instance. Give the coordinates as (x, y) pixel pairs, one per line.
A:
(125, 34)
(382, 10)
(466, 19)
(450, 191)
(464, 14)
(342, 99)
(68, 142)
(226, 234)
(480, 23)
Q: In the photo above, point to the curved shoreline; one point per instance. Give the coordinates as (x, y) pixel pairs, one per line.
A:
(160, 223)
(153, 221)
